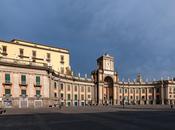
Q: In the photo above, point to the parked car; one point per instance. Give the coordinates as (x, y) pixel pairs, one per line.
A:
(2, 110)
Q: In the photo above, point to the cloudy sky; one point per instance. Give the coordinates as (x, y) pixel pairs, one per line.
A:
(140, 34)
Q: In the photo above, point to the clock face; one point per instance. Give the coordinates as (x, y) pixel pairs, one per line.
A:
(108, 65)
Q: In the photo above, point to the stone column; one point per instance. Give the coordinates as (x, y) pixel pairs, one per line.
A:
(140, 98)
(72, 95)
(134, 94)
(154, 95)
(85, 93)
(128, 94)
(100, 94)
(147, 99)
(162, 94)
(79, 97)
(115, 96)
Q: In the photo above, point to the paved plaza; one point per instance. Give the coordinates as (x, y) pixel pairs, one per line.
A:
(93, 118)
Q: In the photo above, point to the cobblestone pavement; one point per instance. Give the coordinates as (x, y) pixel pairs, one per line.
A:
(93, 118)
(90, 109)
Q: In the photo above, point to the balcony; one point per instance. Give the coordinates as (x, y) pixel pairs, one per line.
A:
(23, 95)
(38, 96)
(62, 62)
(48, 60)
(37, 85)
(22, 56)
(5, 60)
(24, 84)
(4, 53)
(7, 82)
(7, 95)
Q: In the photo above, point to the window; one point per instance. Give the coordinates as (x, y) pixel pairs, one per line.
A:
(68, 103)
(82, 104)
(68, 87)
(75, 97)
(150, 97)
(82, 89)
(150, 90)
(126, 97)
(143, 97)
(62, 96)
(62, 59)
(21, 52)
(62, 70)
(55, 85)
(68, 96)
(143, 90)
(4, 49)
(82, 97)
(89, 96)
(126, 90)
(120, 90)
(75, 104)
(137, 90)
(131, 90)
(61, 86)
(33, 53)
(7, 78)
(7, 91)
(75, 88)
(157, 90)
(130, 97)
(137, 97)
(37, 80)
(23, 92)
(23, 79)
(89, 89)
(48, 57)
(55, 94)
(38, 92)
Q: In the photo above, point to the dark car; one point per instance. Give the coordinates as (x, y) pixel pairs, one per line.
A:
(2, 110)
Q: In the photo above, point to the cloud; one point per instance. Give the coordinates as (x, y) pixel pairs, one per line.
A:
(138, 33)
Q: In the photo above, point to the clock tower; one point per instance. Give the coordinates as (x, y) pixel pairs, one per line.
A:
(106, 80)
(106, 63)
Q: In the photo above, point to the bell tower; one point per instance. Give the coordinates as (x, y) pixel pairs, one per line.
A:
(105, 79)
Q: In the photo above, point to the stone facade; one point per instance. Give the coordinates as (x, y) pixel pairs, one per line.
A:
(27, 83)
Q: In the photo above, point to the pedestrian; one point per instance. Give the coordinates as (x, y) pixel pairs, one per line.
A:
(171, 106)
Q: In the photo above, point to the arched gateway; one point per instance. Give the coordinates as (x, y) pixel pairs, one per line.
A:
(108, 90)
(105, 79)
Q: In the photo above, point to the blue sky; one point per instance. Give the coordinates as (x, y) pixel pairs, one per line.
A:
(140, 34)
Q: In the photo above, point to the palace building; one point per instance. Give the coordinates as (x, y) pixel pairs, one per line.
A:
(33, 75)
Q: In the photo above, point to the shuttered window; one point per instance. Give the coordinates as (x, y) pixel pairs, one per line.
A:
(23, 79)
(7, 78)
(37, 80)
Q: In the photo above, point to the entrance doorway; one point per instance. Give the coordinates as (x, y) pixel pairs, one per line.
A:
(108, 91)
(23, 102)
